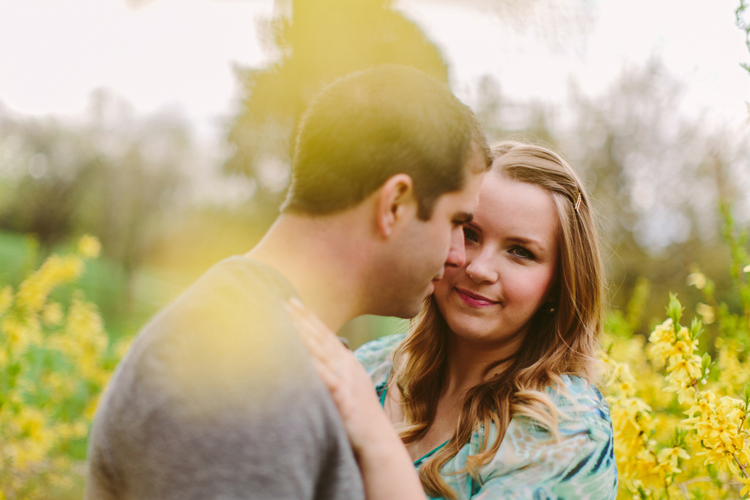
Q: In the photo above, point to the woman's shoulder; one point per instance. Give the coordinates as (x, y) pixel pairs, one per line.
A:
(531, 462)
(376, 356)
(583, 417)
(579, 400)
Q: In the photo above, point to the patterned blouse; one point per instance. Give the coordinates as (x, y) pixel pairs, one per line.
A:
(529, 465)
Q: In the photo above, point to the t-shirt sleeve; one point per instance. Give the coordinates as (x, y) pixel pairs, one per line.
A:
(531, 465)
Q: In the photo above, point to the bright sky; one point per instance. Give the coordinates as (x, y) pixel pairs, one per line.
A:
(696, 40)
(178, 54)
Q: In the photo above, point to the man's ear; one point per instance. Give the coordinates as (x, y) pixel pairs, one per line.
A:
(394, 199)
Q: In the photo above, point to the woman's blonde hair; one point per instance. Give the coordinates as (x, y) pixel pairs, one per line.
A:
(558, 342)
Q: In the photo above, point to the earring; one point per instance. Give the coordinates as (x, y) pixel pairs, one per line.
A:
(550, 308)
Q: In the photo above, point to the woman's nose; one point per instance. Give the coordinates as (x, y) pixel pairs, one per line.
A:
(480, 269)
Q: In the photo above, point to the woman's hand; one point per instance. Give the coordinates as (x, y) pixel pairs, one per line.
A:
(387, 469)
(349, 384)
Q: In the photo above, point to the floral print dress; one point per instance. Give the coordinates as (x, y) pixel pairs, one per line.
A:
(530, 464)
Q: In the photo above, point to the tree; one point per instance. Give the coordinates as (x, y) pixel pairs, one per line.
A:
(316, 42)
(113, 175)
(656, 176)
(743, 25)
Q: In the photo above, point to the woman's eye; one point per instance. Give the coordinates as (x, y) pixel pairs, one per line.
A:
(470, 234)
(521, 252)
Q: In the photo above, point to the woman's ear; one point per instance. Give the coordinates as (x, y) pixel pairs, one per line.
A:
(553, 298)
(395, 200)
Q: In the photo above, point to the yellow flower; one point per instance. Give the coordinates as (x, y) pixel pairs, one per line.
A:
(697, 279)
(36, 428)
(18, 337)
(661, 342)
(745, 480)
(706, 312)
(52, 314)
(672, 455)
(734, 374)
(34, 438)
(89, 247)
(704, 406)
(684, 370)
(55, 271)
(6, 299)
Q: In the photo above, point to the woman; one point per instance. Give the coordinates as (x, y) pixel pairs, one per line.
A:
(491, 391)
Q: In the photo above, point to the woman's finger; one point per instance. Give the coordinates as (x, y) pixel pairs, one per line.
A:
(317, 349)
(309, 331)
(312, 343)
(328, 376)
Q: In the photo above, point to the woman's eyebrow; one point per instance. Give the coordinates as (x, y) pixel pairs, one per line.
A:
(526, 241)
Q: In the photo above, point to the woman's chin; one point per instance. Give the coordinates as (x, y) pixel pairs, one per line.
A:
(470, 329)
(477, 330)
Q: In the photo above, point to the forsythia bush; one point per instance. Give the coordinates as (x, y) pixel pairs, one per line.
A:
(51, 373)
(680, 418)
(680, 415)
(680, 430)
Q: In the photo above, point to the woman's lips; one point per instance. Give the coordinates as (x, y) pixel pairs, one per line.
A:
(473, 299)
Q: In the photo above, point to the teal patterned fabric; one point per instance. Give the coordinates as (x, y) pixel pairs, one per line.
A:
(529, 464)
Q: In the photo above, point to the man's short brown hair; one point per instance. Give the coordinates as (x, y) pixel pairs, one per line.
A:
(370, 125)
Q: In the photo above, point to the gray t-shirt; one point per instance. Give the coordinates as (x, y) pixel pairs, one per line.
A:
(217, 399)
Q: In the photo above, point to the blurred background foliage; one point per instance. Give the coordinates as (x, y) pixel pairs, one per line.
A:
(657, 176)
(165, 211)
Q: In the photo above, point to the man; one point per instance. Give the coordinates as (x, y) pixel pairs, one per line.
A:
(217, 398)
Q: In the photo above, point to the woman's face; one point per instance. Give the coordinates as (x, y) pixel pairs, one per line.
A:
(511, 258)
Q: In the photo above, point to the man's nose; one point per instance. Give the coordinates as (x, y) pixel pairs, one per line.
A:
(457, 251)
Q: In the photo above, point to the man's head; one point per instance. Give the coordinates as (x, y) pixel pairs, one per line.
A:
(369, 126)
(392, 151)
(415, 252)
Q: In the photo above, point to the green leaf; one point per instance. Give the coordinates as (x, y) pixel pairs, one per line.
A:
(674, 310)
